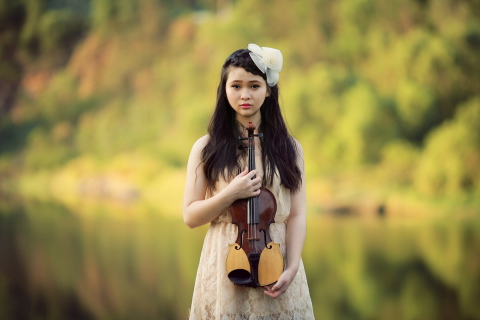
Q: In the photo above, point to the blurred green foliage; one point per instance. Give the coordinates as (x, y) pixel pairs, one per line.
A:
(390, 88)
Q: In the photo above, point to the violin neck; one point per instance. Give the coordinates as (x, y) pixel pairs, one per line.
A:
(253, 217)
(251, 153)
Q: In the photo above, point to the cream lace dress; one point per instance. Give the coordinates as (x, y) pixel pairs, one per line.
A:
(216, 298)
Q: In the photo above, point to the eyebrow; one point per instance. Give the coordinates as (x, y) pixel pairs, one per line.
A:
(252, 81)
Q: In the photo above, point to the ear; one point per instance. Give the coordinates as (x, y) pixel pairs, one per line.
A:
(267, 94)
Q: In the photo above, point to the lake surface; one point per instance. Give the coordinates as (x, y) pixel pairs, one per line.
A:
(114, 261)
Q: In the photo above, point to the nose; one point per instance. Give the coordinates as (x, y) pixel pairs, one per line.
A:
(245, 94)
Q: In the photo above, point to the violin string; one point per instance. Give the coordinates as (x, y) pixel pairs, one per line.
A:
(254, 200)
(254, 228)
(251, 165)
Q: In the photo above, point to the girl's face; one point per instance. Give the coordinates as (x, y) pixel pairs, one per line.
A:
(246, 93)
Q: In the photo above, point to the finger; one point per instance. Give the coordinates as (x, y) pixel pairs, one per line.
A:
(273, 295)
(268, 291)
(278, 286)
(257, 179)
(251, 174)
(257, 183)
(244, 172)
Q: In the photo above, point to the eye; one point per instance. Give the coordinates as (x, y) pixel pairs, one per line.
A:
(235, 86)
(255, 86)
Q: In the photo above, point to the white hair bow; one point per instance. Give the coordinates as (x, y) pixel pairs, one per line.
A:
(268, 60)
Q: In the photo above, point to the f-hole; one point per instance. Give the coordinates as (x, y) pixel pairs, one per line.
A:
(265, 239)
(241, 243)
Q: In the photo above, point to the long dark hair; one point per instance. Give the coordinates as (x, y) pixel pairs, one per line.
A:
(221, 155)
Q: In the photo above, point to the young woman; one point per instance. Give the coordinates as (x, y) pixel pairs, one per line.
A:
(217, 175)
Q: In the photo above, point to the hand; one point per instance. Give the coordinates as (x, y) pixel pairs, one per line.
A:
(243, 186)
(281, 286)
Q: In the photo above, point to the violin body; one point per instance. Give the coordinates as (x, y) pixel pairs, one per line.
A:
(254, 260)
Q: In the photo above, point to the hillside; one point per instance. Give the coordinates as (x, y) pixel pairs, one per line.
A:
(104, 98)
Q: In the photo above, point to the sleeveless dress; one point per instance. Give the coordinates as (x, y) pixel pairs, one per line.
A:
(215, 297)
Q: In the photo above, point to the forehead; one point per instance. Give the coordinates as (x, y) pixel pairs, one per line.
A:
(240, 74)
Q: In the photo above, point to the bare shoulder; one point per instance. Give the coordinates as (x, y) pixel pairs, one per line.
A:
(200, 144)
(202, 141)
(297, 145)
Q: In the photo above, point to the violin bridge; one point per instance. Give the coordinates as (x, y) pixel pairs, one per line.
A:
(253, 239)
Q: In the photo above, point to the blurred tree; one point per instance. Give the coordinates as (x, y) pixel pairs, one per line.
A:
(363, 128)
(416, 109)
(449, 164)
(12, 16)
(399, 159)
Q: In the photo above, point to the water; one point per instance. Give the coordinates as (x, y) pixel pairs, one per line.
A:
(114, 261)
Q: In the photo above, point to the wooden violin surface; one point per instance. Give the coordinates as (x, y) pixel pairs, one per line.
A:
(254, 259)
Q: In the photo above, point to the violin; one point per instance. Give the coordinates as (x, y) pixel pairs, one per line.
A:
(254, 260)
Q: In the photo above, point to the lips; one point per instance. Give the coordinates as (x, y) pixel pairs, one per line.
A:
(246, 105)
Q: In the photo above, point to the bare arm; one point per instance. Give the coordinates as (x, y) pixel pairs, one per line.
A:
(197, 210)
(295, 237)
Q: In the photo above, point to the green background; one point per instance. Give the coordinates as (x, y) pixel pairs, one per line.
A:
(101, 101)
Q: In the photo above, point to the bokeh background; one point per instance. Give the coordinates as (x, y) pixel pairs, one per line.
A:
(101, 101)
